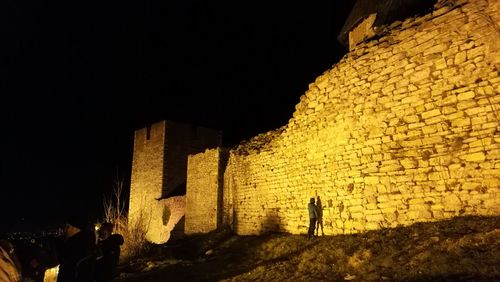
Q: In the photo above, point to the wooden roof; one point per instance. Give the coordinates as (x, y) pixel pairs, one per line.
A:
(387, 11)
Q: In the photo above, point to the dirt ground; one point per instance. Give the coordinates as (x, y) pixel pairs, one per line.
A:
(462, 249)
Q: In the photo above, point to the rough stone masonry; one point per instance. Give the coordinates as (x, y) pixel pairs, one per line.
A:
(159, 171)
(405, 128)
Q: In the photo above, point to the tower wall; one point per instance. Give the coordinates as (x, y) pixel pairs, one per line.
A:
(147, 179)
(203, 190)
(159, 171)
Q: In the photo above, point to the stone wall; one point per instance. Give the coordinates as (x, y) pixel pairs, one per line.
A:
(183, 140)
(203, 192)
(147, 179)
(159, 171)
(174, 210)
(403, 129)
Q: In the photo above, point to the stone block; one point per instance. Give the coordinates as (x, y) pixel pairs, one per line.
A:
(371, 180)
(466, 104)
(417, 201)
(411, 118)
(432, 140)
(475, 111)
(431, 113)
(451, 202)
(437, 207)
(470, 186)
(466, 95)
(436, 49)
(410, 99)
(374, 218)
(419, 215)
(440, 64)
(461, 122)
(435, 176)
(477, 51)
(434, 120)
(455, 115)
(381, 188)
(415, 125)
(449, 100)
(418, 77)
(475, 157)
(372, 226)
(460, 58)
(493, 154)
(490, 125)
(448, 110)
(356, 215)
(401, 84)
(429, 129)
(409, 163)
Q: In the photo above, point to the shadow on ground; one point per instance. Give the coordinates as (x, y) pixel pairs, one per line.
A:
(461, 249)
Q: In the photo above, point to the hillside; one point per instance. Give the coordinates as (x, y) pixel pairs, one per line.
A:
(461, 249)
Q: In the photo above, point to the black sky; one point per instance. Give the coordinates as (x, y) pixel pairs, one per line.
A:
(78, 77)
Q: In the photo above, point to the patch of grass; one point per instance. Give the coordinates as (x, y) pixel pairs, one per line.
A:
(135, 244)
(460, 249)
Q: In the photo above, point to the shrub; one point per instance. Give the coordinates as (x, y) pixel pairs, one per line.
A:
(135, 243)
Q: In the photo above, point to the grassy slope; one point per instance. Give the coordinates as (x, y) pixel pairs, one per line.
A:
(462, 249)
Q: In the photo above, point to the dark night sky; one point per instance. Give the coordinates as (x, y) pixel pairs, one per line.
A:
(78, 77)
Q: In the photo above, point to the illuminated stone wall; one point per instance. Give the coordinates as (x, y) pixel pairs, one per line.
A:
(203, 192)
(183, 140)
(147, 176)
(159, 171)
(403, 129)
(174, 210)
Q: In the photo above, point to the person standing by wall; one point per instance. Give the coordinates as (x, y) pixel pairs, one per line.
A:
(320, 217)
(313, 215)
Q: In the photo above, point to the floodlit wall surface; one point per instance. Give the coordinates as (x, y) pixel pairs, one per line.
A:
(147, 180)
(173, 212)
(202, 192)
(159, 169)
(403, 129)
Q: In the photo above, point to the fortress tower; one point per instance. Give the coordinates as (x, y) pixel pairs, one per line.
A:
(159, 171)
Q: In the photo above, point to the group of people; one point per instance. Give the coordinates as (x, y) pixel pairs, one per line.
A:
(315, 217)
(80, 259)
(80, 256)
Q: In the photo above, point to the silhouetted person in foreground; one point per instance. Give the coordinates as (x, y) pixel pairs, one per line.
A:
(77, 253)
(313, 215)
(320, 217)
(109, 245)
(10, 268)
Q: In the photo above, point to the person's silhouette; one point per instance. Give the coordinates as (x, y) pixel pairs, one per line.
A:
(319, 220)
(313, 215)
(109, 244)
